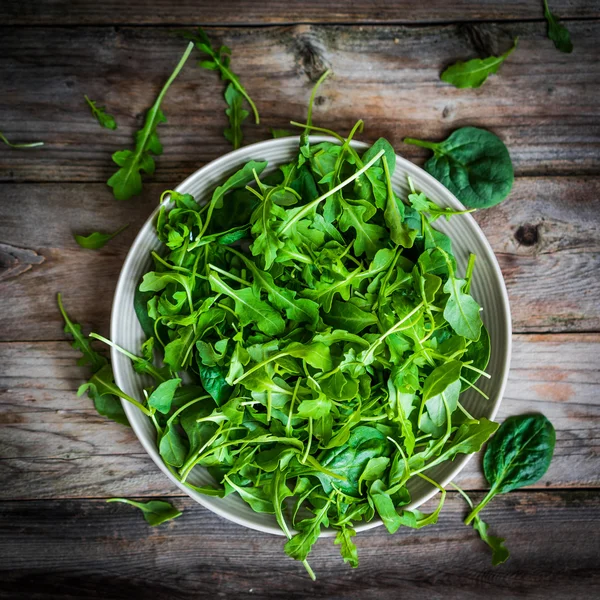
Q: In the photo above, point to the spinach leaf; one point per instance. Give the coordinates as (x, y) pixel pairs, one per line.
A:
(473, 73)
(162, 397)
(473, 164)
(155, 512)
(127, 181)
(558, 33)
(518, 455)
(97, 240)
(104, 119)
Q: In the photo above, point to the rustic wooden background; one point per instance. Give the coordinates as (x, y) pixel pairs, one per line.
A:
(59, 460)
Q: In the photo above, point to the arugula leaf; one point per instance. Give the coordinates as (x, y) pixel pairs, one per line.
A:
(236, 115)
(219, 60)
(4, 139)
(473, 73)
(347, 548)
(104, 119)
(97, 240)
(127, 181)
(155, 512)
(558, 33)
(80, 342)
(473, 164)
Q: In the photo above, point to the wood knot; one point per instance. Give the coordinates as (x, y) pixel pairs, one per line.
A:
(14, 261)
(310, 52)
(527, 235)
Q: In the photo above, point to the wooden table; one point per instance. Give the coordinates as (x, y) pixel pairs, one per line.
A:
(59, 460)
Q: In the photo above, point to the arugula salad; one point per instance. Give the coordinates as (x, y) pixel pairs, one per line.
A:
(315, 336)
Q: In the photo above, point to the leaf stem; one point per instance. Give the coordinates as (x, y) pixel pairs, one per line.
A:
(480, 506)
(421, 143)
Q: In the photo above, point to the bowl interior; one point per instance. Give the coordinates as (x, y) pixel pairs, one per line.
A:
(487, 288)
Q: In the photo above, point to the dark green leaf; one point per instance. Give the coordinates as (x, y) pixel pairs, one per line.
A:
(473, 164)
(558, 33)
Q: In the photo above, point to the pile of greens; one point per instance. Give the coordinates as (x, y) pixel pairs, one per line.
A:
(324, 335)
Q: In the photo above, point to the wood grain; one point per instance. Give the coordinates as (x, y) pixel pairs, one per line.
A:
(90, 549)
(246, 12)
(543, 103)
(54, 445)
(553, 284)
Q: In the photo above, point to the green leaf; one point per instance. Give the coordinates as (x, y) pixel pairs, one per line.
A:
(219, 61)
(473, 73)
(97, 240)
(520, 452)
(347, 548)
(80, 342)
(368, 236)
(236, 115)
(347, 316)
(162, 397)
(155, 512)
(314, 409)
(308, 533)
(214, 382)
(461, 311)
(250, 308)
(104, 119)
(172, 448)
(127, 181)
(473, 164)
(558, 33)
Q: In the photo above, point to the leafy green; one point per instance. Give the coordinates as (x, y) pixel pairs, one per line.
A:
(97, 240)
(473, 73)
(127, 181)
(236, 115)
(558, 33)
(155, 512)
(219, 59)
(106, 403)
(104, 119)
(518, 455)
(473, 164)
(319, 318)
(500, 553)
(4, 139)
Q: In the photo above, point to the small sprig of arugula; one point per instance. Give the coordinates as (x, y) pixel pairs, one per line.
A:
(325, 337)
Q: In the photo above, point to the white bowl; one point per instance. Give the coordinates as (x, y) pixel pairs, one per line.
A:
(487, 287)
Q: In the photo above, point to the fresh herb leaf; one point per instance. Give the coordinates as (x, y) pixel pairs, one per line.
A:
(104, 119)
(558, 33)
(473, 164)
(473, 73)
(127, 181)
(97, 240)
(155, 512)
(236, 115)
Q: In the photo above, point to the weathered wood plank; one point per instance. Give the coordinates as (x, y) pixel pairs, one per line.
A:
(544, 103)
(54, 445)
(89, 549)
(247, 12)
(553, 284)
